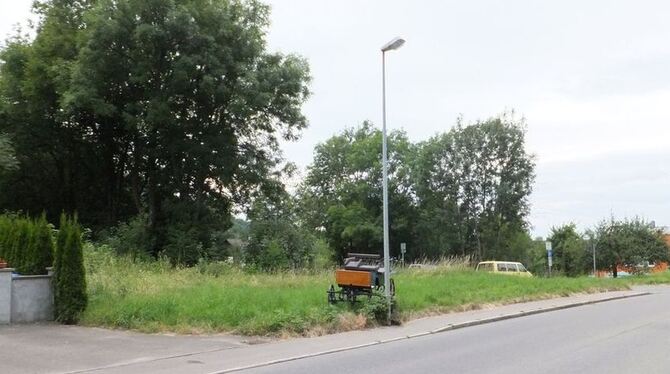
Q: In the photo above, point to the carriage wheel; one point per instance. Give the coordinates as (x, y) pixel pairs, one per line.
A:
(350, 295)
(331, 295)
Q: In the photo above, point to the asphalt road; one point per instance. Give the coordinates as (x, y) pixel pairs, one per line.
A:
(625, 336)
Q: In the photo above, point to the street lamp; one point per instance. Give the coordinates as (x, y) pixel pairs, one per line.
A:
(392, 45)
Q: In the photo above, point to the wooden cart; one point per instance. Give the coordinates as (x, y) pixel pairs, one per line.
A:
(362, 274)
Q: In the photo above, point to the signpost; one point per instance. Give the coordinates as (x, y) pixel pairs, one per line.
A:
(403, 250)
(549, 255)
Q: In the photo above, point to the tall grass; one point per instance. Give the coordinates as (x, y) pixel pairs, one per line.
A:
(210, 298)
(157, 297)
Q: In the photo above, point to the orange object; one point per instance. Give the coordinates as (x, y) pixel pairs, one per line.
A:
(660, 267)
(353, 278)
(657, 268)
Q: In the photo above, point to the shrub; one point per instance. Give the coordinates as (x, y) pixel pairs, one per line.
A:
(18, 255)
(26, 244)
(70, 283)
(39, 253)
(324, 256)
(5, 233)
(131, 238)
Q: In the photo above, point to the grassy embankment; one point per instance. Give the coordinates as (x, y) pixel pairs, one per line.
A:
(153, 297)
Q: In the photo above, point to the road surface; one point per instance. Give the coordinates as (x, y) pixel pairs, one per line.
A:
(624, 336)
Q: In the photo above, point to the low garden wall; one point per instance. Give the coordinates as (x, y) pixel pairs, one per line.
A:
(25, 298)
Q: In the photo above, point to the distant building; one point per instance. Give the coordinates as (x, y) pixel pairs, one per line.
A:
(665, 232)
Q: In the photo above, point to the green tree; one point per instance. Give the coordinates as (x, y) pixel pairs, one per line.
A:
(70, 283)
(277, 240)
(59, 168)
(146, 107)
(342, 193)
(569, 250)
(629, 242)
(472, 185)
(61, 242)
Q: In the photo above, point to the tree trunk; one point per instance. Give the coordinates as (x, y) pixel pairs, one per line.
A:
(155, 214)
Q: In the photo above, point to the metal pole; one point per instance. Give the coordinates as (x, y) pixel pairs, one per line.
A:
(593, 247)
(387, 261)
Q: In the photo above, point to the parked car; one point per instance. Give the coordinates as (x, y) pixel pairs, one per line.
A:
(504, 267)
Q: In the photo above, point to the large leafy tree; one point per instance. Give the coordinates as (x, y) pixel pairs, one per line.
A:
(629, 243)
(173, 109)
(472, 185)
(342, 193)
(59, 169)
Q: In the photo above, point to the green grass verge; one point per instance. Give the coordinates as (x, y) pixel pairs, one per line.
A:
(154, 297)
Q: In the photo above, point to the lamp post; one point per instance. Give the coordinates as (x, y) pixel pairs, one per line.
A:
(593, 248)
(392, 45)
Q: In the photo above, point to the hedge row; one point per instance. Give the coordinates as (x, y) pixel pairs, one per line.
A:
(26, 244)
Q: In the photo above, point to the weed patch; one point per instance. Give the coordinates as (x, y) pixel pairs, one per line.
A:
(156, 297)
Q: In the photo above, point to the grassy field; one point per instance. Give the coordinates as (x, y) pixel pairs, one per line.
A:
(154, 297)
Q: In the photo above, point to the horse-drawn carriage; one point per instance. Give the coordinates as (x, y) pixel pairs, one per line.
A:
(362, 274)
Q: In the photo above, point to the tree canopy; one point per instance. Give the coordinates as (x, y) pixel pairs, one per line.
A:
(570, 250)
(472, 186)
(7, 158)
(172, 109)
(629, 242)
(463, 192)
(342, 193)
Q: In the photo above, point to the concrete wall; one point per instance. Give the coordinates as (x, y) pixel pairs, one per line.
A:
(25, 298)
(5, 295)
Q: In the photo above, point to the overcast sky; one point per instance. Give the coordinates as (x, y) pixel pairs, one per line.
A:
(591, 78)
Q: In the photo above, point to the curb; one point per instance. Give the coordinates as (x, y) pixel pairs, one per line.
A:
(483, 321)
(449, 327)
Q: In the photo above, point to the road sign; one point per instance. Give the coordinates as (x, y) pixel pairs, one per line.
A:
(547, 244)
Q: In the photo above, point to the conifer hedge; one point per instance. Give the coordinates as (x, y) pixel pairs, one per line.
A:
(70, 278)
(26, 244)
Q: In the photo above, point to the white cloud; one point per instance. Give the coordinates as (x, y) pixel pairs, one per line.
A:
(564, 128)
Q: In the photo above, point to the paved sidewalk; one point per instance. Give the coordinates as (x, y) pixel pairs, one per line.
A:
(53, 348)
(57, 349)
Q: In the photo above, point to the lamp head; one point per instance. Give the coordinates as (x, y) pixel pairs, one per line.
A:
(393, 44)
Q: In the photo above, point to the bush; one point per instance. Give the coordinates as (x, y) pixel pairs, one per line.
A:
(70, 282)
(20, 240)
(26, 244)
(5, 234)
(131, 238)
(324, 256)
(39, 253)
(376, 310)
